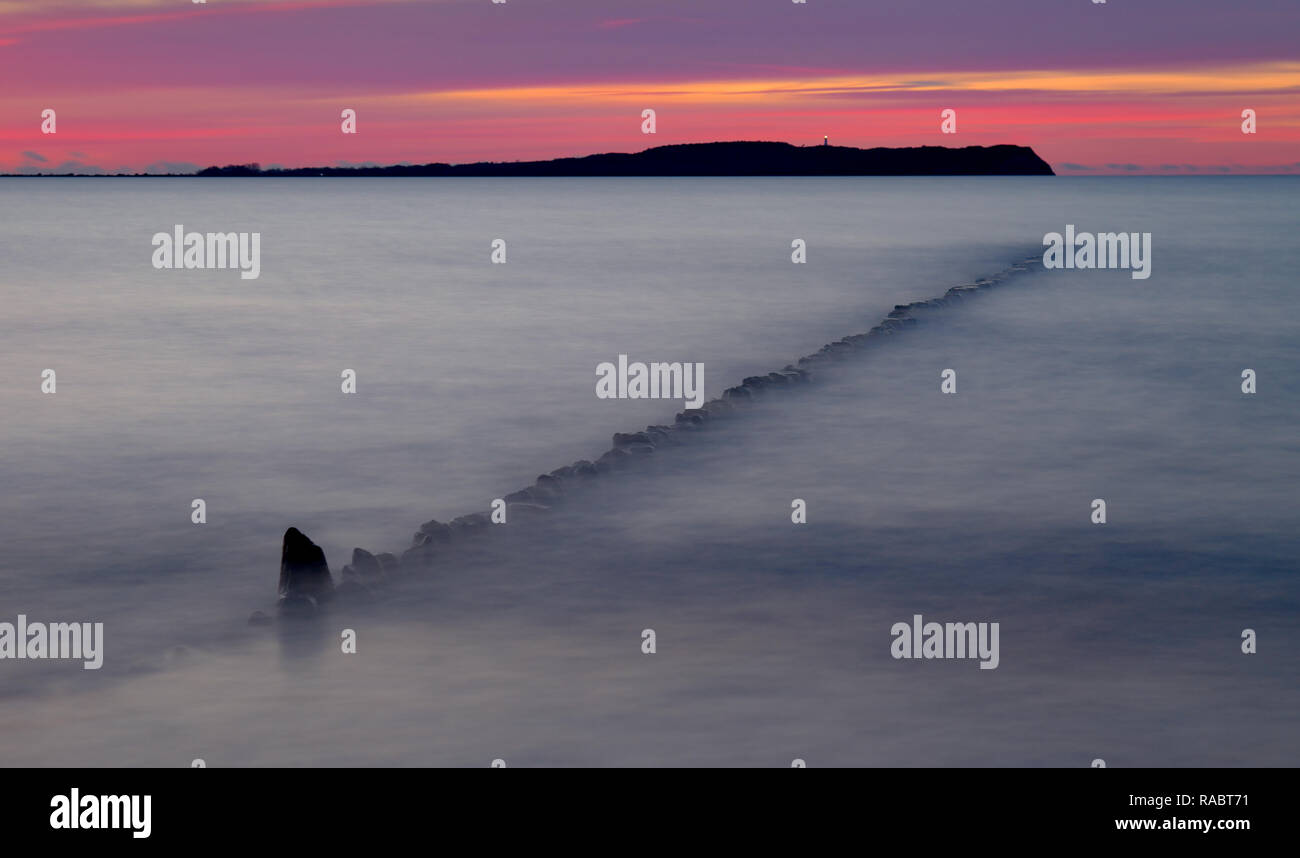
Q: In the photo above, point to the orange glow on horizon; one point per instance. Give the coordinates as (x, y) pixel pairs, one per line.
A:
(1152, 116)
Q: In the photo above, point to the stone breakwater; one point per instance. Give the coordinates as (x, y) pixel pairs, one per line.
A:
(306, 584)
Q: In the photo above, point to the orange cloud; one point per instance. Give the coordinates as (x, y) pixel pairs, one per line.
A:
(1276, 77)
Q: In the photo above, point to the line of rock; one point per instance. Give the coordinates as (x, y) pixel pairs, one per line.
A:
(305, 581)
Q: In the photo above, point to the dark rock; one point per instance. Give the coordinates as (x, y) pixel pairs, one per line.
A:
(419, 556)
(614, 458)
(521, 496)
(389, 563)
(303, 570)
(364, 567)
(548, 488)
(467, 523)
(660, 435)
(735, 393)
(627, 439)
(432, 531)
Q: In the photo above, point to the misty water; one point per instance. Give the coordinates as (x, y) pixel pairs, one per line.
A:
(1119, 641)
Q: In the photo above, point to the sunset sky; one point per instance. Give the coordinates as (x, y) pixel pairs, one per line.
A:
(1128, 86)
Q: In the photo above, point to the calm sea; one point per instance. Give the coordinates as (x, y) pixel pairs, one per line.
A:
(1119, 641)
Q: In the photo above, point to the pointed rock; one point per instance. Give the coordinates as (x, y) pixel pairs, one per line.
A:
(303, 570)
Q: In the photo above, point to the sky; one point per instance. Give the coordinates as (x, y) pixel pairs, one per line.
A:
(1121, 87)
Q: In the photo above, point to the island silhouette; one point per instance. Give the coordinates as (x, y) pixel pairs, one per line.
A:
(740, 158)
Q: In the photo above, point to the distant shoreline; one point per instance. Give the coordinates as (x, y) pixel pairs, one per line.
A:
(738, 159)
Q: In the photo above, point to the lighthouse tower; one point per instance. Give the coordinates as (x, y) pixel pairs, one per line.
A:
(826, 140)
